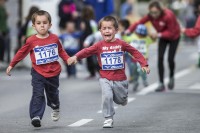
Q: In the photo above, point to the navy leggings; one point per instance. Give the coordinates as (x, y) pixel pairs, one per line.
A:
(40, 85)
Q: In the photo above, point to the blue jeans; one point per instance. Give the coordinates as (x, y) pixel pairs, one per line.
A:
(38, 102)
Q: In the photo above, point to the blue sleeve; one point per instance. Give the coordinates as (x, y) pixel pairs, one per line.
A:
(109, 7)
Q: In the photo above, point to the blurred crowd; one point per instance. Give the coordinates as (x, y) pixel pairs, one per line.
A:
(78, 24)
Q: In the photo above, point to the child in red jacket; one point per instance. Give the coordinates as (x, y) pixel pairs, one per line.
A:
(110, 54)
(44, 49)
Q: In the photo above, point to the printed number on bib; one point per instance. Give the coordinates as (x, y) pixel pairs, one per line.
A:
(112, 61)
(46, 54)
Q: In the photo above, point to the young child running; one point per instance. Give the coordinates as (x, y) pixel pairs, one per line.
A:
(141, 41)
(110, 54)
(44, 49)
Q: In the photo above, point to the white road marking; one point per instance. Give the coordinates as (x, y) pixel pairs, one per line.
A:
(129, 100)
(153, 86)
(195, 86)
(80, 122)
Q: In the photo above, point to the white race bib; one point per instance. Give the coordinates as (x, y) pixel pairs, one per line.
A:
(112, 61)
(46, 54)
(140, 46)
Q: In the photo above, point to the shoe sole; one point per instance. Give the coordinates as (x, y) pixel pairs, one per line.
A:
(36, 123)
(107, 127)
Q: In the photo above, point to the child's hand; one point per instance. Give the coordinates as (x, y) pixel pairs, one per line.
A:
(182, 30)
(8, 70)
(72, 60)
(146, 69)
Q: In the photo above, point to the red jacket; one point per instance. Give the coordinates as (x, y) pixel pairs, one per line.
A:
(103, 47)
(46, 51)
(195, 31)
(166, 24)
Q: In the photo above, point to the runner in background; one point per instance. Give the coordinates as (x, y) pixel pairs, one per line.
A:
(168, 33)
(3, 29)
(70, 42)
(195, 31)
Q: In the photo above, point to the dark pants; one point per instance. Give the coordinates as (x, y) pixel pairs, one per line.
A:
(38, 102)
(92, 65)
(2, 47)
(163, 43)
(71, 70)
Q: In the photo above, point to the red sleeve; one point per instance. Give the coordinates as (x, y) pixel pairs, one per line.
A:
(86, 52)
(195, 31)
(136, 54)
(141, 21)
(21, 54)
(169, 33)
(62, 52)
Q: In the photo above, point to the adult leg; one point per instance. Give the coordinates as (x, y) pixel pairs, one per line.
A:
(107, 98)
(37, 104)
(162, 45)
(172, 52)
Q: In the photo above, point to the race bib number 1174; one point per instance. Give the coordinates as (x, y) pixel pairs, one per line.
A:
(46, 54)
(112, 61)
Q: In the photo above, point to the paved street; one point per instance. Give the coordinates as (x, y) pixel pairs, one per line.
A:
(175, 111)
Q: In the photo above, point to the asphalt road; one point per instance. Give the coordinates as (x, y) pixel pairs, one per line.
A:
(175, 111)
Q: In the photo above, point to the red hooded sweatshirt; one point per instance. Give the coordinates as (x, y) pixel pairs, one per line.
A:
(166, 25)
(195, 31)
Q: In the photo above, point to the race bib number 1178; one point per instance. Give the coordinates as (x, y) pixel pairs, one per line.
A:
(46, 54)
(112, 61)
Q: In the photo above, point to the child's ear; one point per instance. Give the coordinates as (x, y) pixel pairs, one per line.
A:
(50, 25)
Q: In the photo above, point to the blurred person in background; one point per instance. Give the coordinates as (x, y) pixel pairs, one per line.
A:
(168, 32)
(67, 12)
(89, 27)
(27, 29)
(194, 32)
(141, 41)
(101, 8)
(70, 42)
(3, 28)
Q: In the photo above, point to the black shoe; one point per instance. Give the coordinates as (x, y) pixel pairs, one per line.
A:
(160, 88)
(171, 84)
(36, 122)
(135, 86)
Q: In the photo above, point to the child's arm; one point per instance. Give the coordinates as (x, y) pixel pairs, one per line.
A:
(138, 57)
(21, 54)
(62, 52)
(84, 53)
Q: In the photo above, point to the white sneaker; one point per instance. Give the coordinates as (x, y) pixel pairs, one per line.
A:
(108, 123)
(55, 115)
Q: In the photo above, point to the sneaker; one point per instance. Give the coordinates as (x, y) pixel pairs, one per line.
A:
(36, 122)
(55, 115)
(171, 84)
(108, 123)
(135, 86)
(145, 83)
(125, 103)
(160, 88)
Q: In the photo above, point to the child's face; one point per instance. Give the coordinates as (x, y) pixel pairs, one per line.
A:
(70, 27)
(108, 31)
(42, 25)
